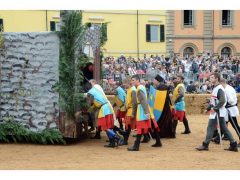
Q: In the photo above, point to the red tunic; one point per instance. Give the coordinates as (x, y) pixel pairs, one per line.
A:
(129, 121)
(120, 114)
(179, 115)
(106, 122)
(143, 126)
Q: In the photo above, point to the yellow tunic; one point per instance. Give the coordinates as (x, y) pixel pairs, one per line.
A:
(129, 104)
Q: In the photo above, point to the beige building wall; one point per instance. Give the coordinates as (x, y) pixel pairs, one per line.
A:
(196, 29)
(181, 44)
(231, 43)
(227, 36)
(206, 34)
(219, 30)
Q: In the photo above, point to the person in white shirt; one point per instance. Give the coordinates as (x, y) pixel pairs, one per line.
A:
(231, 106)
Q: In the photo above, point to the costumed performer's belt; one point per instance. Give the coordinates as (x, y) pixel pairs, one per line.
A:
(103, 104)
(228, 105)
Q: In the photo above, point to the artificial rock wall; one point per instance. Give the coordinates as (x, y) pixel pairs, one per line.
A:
(29, 70)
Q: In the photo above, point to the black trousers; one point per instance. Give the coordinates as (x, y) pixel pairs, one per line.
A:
(234, 123)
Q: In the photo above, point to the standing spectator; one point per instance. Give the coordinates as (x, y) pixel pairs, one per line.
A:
(195, 69)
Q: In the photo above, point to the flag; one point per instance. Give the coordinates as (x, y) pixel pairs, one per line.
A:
(156, 101)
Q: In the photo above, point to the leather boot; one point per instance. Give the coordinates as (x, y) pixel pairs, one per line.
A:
(120, 124)
(146, 139)
(136, 144)
(97, 135)
(175, 122)
(185, 123)
(203, 147)
(158, 141)
(125, 138)
(233, 147)
(111, 144)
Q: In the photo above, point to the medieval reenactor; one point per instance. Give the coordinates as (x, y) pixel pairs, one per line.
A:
(143, 121)
(120, 98)
(105, 116)
(217, 115)
(131, 105)
(165, 120)
(178, 110)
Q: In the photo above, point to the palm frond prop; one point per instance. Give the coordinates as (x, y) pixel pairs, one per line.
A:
(71, 61)
(11, 131)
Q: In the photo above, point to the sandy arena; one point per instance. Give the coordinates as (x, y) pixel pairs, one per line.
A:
(176, 154)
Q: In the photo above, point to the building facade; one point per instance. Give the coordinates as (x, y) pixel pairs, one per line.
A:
(29, 21)
(131, 33)
(207, 32)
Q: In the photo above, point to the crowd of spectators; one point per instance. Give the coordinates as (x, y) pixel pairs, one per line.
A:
(196, 70)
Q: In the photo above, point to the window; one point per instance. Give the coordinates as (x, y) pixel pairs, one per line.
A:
(155, 33)
(188, 52)
(1, 25)
(52, 26)
(188, 17)
(225, 52)
(226, 18)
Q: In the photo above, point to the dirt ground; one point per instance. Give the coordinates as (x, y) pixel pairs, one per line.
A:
(176, 154)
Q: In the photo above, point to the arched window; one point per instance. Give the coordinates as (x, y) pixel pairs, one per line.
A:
(187, 52)
(226, 52)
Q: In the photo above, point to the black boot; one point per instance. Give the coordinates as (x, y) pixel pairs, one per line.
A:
(185, 123)
(111, 144)
(175, 122)
(120, 124)
(146, 138)
(125, 138)
(158, 141)
(136, 144)
(97, 135)
(203, 147)
(233, 147)
(114, 142)
(118, 140)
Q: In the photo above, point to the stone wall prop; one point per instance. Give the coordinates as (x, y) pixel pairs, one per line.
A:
(29, 70)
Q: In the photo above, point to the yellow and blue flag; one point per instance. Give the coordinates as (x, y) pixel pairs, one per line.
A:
(156, 101)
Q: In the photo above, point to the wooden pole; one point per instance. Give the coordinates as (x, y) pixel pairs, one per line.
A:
(97, 66)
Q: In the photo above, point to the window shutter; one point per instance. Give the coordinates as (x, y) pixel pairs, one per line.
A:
(162, 33)
(52, 26)
(148, 33)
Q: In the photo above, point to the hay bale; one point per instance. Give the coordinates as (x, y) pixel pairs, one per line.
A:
(194, 103)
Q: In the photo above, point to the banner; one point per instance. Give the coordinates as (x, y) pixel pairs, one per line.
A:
(156, 101)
